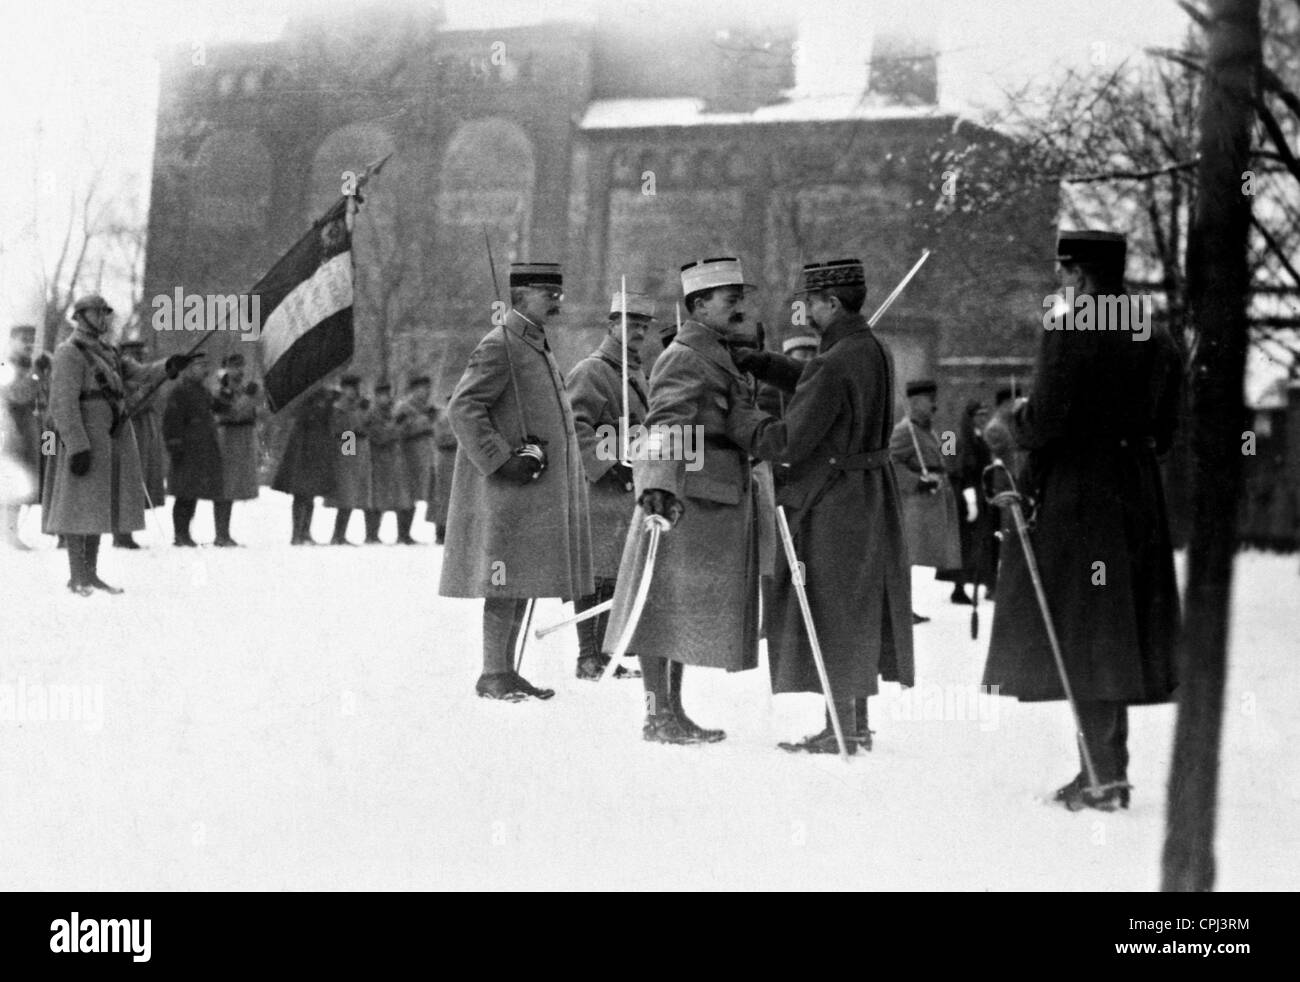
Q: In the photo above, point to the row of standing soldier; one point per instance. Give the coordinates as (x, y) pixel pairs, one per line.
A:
(373, 457)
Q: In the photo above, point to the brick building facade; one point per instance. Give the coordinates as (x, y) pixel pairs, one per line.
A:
(616, 147)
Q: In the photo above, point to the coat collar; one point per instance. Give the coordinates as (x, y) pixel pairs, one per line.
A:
(709, 343)
(844, 327)
(520, 326)
(612, 348)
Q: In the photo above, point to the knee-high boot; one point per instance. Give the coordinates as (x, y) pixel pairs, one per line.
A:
(341, 518)
(91, 552)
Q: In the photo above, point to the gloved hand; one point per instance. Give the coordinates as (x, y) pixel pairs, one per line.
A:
(657, 502)
(972, 504)
(751, 360)
(929, 484)
(621, 475)
(744, 418)
(80, 463)
(520, 470)
(42, 363)
(177, 363)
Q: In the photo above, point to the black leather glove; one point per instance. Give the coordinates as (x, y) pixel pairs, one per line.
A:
(80, 463)
(619, 475)
(177, 363)
(664, 503)
(927, 485)
(42, 363)
(520, 470)
(751, 360)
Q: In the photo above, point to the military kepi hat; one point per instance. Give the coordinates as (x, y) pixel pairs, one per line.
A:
(536, 274)
(1092, 246)
(638, 304)
(922, 386)
(709, 274)
(91, 301)
(837, 272)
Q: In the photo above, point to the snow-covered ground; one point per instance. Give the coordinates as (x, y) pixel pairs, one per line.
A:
(297, 718)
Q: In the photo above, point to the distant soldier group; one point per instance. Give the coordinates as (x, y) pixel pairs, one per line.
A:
(361, 456)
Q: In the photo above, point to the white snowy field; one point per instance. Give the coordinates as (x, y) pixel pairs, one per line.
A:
(304, 718)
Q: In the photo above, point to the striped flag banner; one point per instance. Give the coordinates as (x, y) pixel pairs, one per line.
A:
(306, 307)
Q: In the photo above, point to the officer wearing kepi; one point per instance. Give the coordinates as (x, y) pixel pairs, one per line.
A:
(518, 525)
(595, 388)
(842, 504)
(95, 484)
(702, 605)
(1104, 405)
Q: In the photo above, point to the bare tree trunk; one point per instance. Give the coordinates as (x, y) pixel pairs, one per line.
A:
(1218, 288)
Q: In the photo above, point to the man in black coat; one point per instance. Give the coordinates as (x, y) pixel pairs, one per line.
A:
(843, 506)
(1104, 405)
(191, 437)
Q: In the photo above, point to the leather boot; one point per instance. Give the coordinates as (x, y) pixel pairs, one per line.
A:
(91, 569)
(675, 671)
(341, 518)
(405, 517)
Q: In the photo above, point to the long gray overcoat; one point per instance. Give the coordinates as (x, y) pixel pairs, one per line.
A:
(505, 539)
(702, 608)
(595, 388)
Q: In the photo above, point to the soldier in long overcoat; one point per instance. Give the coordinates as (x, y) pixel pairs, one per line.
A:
(389, 487)
(145, 408)
(20, 433)
(415, 416)
(702, 607)
(94, 484)
(235, 410)
(842, 504)
(518, 525)
(352, 473)
(929, 501)
(190, 433)
(307, 464)
(1104, 405)
(595, 388)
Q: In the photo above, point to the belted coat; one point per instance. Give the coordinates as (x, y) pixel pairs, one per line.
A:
(87, 393)
(702, 607)
(841, 500)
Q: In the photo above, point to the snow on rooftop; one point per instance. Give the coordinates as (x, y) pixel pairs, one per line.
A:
(617, 114)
